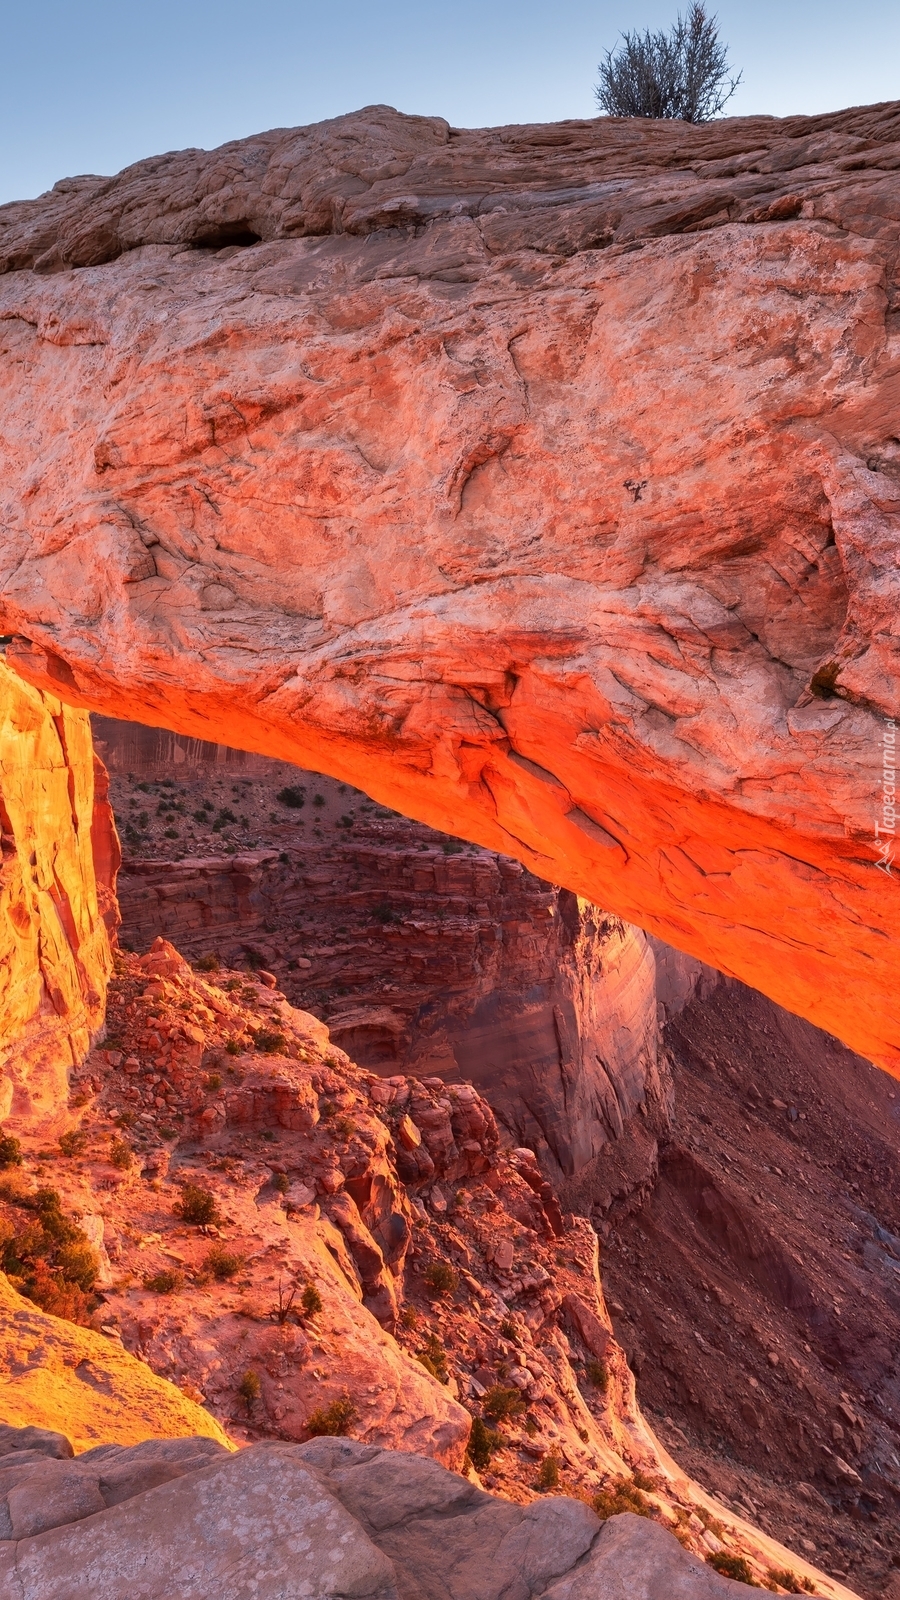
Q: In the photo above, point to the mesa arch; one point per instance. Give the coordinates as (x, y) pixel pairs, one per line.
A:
(543, 482)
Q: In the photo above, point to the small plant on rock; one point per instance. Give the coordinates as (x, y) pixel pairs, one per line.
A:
(598, 1374)
(73, 1143)
(213, 1083)
(619, 1495)
(785, 1579)
(292, 796)
(311, 1301)
(736, 1567)
(10, 1151)
(281, 1182)
(548, 1474)
(433, 1357)
(500, 1404)
(208, 963)
(222, 1264)
(483, 1441)
(121, 1154)
(250, 1390)
(166, 1282)
(269, 1043)
(332, 1421)
(197, 1206)
(440, 1278)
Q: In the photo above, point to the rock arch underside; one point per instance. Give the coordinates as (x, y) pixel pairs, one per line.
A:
(544, 482)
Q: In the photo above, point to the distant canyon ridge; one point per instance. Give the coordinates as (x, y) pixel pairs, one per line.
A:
(544, 482)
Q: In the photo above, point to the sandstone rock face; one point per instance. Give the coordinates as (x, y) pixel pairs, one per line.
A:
(56, 1375)
(333, 1518)
(542, 481)
(57, 900)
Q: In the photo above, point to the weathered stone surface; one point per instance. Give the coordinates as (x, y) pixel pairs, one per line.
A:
(335, 1517)
(634, 1559)
(586, 553)
(259, 1524)
(57, 901)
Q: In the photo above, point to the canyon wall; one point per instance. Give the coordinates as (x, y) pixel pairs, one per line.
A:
(420, 956)
(542, 481)
(57, 900)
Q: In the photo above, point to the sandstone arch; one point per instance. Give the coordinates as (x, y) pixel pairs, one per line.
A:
(543, 482)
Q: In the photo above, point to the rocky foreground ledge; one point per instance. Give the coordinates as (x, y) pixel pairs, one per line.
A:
(328, 1518)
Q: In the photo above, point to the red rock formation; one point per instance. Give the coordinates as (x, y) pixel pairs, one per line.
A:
(57, 901)
(541, 481)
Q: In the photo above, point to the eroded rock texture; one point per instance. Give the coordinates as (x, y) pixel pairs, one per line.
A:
(543, 481)
(57, 900)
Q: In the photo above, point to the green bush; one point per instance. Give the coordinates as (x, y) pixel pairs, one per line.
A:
(50, 1259)
(548, 1475)
(433, 1357)
(332, 1421)
(619, 1495)
(501, 1403)
(598, 1374)
(311, 1300)
(281, 1182)
(268, 1043)
(121, 1154)
(736, 1567)
(483, 1441)
(250, 1389)
(209, 963)
(440, 1278)
(197, 1206)
(222, 1264)
(785, 1579)
(165, 1282)
(73, 1143)
(292, 796)
(10, 1151)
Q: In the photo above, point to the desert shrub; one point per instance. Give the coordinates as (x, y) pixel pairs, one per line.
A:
(213, 1082)
(451, 848)
(166, 1282)
(619, 1495)
(73, 1143)
(383, 913)
(508, 1328)
(598, 1375)
(483, 1441)
(222, 1264)
(548, 1474)
(50, 1259)
(501, 1403)
(249, 1389)
(197, 1206)
(209, 963)
(318, 799)
(440, 1278)
(121, 1154)
(292, 796)
(268, 1043)
(281, 1182)
(332, 1421)
(736, 1567)
(345, 1127)
(10, 1151)
(644, 1480)
(409, 1317)
(785, 1579)
(433, 1357)
(682, 74)
(311, 1300)
(233, 1047)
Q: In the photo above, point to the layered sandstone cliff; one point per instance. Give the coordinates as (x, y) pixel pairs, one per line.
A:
(57, 901)
(541, 481)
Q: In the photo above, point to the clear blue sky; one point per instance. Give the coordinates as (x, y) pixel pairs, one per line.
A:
(90, 85)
